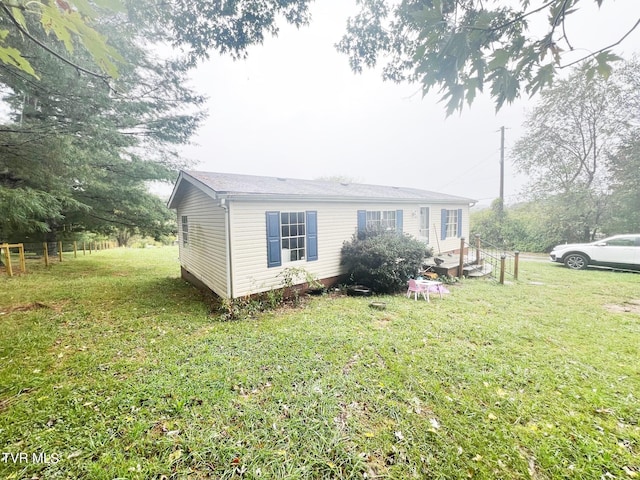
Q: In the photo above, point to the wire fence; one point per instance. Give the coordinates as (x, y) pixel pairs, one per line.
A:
(19, 254)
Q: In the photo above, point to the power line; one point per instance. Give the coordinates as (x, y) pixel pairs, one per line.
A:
(468, 171)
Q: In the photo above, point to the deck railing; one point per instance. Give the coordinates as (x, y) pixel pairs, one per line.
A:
(488, 259)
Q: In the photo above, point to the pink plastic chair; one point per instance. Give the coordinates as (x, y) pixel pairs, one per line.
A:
(417, 288)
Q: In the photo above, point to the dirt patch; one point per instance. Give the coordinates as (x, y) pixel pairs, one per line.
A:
(631, 306)
(23, 308)
(27, 307)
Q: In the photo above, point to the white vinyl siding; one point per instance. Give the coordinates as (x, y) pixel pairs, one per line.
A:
(203, 252)
(413, 225)
(336, 223)
(451, 243)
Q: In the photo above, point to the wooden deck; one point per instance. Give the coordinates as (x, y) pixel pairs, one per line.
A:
(451, 266)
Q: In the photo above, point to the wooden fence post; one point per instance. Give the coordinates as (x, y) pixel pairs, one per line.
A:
(60, 251)
(45, 252)
(7, 259)
(75, 249)
(23, 263)
(503, 259)
(515, 264)
(478, 259)
(461, 263)
(84, 248)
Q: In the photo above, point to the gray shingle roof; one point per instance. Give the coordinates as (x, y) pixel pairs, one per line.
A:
(248, 185)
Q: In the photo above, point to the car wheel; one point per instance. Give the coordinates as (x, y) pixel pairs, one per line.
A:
(576, 261)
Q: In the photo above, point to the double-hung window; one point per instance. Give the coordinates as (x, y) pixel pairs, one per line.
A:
(451, 223)
(185, 230)
(381, 220)
(292, 236)
(378, 220)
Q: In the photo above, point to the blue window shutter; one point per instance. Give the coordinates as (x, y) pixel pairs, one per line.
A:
(362, 222)
(274, 253)
(312, 236)
(443, 224)
(459, 222)
(399, 221)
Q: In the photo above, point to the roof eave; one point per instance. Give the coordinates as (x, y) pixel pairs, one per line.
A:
(261, 197)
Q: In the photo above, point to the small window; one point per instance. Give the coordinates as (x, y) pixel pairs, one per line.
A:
(452, 223)
(185, 230)
(293, 235)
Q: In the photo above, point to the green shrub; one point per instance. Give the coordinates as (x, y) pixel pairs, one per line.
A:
(384, 261)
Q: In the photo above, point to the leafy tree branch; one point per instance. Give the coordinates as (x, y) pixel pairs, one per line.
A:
(461, 48)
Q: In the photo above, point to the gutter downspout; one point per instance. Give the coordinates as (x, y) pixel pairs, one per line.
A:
(227, 238)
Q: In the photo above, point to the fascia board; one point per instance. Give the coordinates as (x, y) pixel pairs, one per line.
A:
(340, 199)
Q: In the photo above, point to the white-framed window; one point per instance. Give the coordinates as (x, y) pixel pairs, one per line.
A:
(381, 220)
(424, 223)
(452, 223)
(293, 235)
(185, 230)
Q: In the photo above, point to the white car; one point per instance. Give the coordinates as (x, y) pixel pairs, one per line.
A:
(619, 251)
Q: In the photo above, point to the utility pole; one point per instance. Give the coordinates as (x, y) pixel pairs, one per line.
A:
(501, 168)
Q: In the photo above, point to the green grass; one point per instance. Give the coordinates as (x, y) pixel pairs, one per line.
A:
(116, 367)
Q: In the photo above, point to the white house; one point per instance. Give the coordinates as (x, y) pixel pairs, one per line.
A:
(238, 232)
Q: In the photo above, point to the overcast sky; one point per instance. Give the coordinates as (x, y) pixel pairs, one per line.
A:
(295, 109)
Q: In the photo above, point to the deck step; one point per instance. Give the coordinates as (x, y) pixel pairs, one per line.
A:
(478, 270)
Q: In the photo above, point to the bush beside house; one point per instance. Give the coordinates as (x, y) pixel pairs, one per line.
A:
(384, 261)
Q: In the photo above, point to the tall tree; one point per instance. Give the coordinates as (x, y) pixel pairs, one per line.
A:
(570, 137)
(94, 120)
(79, 150)
(461, 46)
(625, 162)
(527, 227)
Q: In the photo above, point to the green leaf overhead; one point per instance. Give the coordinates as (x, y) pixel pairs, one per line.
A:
(69, 22)
(444, 44)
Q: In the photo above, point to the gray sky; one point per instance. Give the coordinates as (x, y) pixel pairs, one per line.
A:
(295, 109)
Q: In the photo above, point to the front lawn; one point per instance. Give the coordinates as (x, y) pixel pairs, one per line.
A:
(113, 367)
